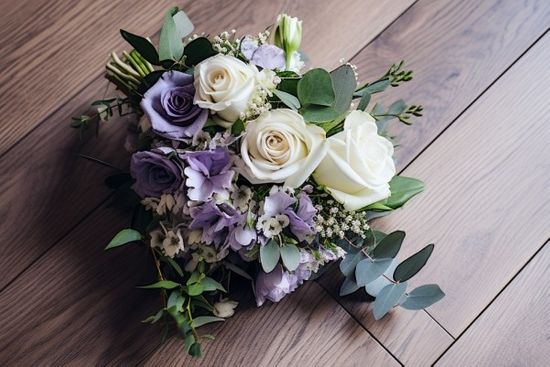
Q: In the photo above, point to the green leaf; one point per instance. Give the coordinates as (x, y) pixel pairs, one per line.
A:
(389, 246)
(378, 206)
(343, 84)
(364, 102)
(350, 261)
(402, 189)
(195, 289)
(348, 287)
(315, 88)
(170, 43)
(375, 87)
(397, 107)
(203, 320)
(291, 256)
(269, 256)
(195, 350)
(209, 284)
(375, 287)
(288, 99)
(176, 300)
(142, 45)
(235, 269)
(238, 127)
(289, 82)
(387, 298)
(184, 26)
(124, 237)
(408, 268)
(314, 113)
(163, 284)
(422, 297)
(198, 50)
(367, 271)
(154, 318)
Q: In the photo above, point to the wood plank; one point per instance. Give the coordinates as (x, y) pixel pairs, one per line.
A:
(78, 305)
(456, 50)
(69, 48)
(69, 187)
(487, 201)
(308, 328)
(513, 331)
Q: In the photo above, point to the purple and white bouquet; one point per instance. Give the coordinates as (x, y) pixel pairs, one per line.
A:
(245, 165)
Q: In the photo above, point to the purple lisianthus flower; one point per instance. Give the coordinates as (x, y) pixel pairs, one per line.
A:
(265, 56)
(155, 174)
(208, 173)
(275, 285)
(169, 105)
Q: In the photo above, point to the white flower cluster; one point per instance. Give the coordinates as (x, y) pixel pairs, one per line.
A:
(226, 43)
(333, 221)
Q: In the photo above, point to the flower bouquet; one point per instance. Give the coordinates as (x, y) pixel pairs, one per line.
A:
(245, 165)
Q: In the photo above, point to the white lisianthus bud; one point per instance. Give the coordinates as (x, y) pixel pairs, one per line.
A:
(288, 35)
(225, 308)
(358, 166)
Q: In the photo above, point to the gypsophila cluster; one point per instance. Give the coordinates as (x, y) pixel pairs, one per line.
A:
(332, 222)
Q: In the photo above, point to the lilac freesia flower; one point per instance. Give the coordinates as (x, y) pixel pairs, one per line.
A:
(222, 226)
(275, 285)
(155, 174)
(208, 173)
(265, 56)
(169, 105)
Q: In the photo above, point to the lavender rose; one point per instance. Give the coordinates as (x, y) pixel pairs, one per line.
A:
(169, 105)
(154, 174)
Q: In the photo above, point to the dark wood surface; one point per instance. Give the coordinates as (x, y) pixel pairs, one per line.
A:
(480, 69)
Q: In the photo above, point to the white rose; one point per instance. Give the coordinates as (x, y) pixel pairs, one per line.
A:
(280, 147)
(359, 164)
(225, 85)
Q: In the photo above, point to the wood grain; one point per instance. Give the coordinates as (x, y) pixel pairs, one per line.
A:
(307, 328)
(487, 201)
(513, 331)
(78, 305)
(69, 47)
(456, 49)
(69, 188)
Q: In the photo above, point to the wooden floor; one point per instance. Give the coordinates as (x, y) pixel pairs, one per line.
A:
(482, 70)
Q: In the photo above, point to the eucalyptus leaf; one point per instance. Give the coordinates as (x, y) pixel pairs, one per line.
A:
(290, 254)
(389, 246)
(422, 297)
(375, 287)
(402, 189)
(269, 256)
(408, 268)
(170, 43)
(397, 107)
(367, 271)
(184, 26)
(176, 300)
(375, 87)
(314, 113)
(315, 88)
(198, 50)
(142, 45)
(124, 237)
(388, 298)
(203, 320)
(348, 287)
(288, 99)
(161, 284)
(343, 84)
(350, 261)
(364, 101)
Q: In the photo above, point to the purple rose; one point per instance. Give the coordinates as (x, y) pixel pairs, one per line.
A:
(265, 56)
(208, 173)
(169, 105)
(154, 174)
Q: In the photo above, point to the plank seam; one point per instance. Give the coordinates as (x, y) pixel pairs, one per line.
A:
(493, 300)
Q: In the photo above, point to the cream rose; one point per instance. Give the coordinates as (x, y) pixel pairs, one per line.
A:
(225, 85)
(280, 147)
(359, 164)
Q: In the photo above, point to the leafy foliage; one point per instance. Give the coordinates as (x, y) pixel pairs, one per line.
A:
(124, 237)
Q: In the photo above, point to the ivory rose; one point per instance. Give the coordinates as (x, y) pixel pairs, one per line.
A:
(225, 85)
(359, 165)
(280, 147)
